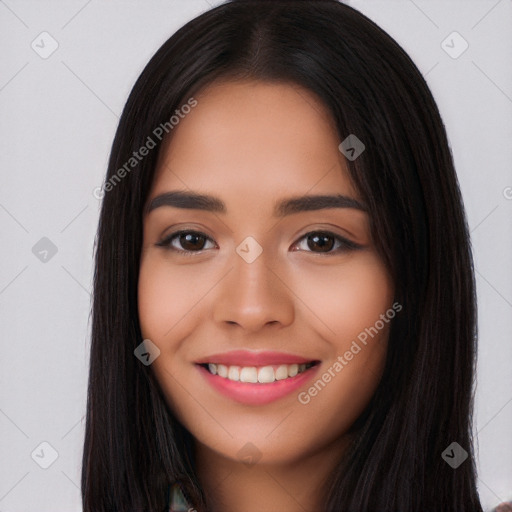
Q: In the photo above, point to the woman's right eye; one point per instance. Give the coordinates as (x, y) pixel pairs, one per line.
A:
(186, 242)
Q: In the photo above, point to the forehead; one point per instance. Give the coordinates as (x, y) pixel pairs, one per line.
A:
(254, 139)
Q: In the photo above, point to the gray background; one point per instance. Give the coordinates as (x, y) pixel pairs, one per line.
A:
(58, 118)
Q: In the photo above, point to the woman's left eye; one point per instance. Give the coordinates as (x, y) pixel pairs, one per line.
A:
(194, 242)
(325, 241)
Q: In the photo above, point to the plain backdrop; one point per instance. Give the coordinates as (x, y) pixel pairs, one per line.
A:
(59, 113)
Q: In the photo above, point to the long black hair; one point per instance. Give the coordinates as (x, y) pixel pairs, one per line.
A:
(134, 446)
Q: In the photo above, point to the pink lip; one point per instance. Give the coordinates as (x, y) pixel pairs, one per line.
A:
(248, 358)
(257, 394)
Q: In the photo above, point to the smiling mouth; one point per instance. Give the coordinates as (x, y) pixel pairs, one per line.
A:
(258, 374)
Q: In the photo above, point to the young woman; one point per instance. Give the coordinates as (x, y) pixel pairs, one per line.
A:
(284, 306)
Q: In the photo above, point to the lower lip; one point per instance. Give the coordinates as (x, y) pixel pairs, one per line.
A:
(257, 394)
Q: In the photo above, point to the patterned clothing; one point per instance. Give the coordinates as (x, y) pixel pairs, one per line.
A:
(177, 501)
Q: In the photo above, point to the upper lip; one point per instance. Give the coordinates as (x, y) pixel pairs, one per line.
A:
(248, 358)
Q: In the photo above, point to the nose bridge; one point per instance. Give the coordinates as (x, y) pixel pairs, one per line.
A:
(252, 295)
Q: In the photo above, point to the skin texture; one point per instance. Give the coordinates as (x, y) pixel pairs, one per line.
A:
(252, 144)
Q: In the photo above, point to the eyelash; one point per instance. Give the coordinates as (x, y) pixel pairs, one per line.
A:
(345, 245)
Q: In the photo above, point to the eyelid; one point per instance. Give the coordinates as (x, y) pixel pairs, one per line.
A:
(345, 244)
(165, 242)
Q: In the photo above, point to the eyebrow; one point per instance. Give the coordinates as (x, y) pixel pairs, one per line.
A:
(289, 206)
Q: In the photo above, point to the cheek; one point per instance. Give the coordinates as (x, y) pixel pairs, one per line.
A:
(348, 304)
(348, 298)
(167, 297)
(173, 304)
(155, 294)
(167, 303)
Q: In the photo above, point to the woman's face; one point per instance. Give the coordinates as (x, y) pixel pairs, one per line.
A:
(267, 286)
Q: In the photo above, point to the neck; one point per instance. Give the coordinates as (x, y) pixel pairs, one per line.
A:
(232, 486)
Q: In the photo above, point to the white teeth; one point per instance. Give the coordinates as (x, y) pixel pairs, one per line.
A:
(248, 374)
(234, 373)
(262, 374)
(222, 371)
(282, 372)
(293, 369)
(266, 374)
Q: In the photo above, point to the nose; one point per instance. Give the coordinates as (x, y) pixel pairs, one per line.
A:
(253, 296)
